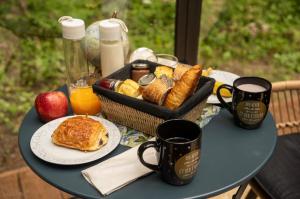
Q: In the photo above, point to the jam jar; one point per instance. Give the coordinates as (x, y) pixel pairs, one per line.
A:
(138, 70)
(110, 84)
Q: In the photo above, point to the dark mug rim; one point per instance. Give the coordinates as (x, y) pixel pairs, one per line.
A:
(179, 143)
(253, 77)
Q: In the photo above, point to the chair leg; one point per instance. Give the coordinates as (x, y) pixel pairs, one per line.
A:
(240, 191)
(256, 188)
(251, 195)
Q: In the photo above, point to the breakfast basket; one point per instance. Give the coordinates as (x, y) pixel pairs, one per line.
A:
(145, 116)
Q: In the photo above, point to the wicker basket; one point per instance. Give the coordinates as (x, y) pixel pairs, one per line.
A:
(139, 120)
(145, 116)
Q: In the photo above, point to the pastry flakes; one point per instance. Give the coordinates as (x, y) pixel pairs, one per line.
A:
(80, 132)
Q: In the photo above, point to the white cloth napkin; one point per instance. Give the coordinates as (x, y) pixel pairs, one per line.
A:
(118, 171)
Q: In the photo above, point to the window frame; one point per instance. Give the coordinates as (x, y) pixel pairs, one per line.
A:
(187, 30)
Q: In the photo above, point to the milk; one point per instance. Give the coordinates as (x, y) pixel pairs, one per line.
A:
(111, 47)
(252, 88)
(112, 57)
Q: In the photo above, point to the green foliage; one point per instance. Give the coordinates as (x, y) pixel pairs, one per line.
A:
(39, 67)
(39, 18)
(291, 60)
(42, 61)
(251, 30)
(152, 25)
(13, 104)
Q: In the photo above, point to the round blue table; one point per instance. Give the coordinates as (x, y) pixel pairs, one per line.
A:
(230, 157)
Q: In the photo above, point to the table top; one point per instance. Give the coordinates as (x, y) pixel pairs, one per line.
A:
(230, 156)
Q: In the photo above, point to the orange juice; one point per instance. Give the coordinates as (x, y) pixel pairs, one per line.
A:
(84, 101)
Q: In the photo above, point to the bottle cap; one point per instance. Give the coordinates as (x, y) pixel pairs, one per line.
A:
(110, 31)
(72, 28)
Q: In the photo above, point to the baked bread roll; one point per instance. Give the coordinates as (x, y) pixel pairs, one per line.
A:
(180, 70)
(156, 92)
(183, 88)
(80, 132)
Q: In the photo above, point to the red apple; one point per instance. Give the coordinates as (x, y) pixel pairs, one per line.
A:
(51, 105)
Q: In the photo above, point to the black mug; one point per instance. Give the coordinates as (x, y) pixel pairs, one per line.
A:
(178, 144)
(250, 100)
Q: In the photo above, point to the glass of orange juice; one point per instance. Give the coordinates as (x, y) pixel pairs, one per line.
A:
(83, 100)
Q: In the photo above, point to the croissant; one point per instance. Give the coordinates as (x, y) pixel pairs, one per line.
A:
(80, 132)
(156, 92)
(180, 70)
(183, 88)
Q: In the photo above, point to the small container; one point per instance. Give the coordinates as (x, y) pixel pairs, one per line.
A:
(142, 53)
(164, 60)
(146, 79)
(138, 70)
(110, 84)
(111, 47)
(129, 88)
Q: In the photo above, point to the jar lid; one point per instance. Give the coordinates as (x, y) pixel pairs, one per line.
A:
(110, 30)
(142, 53)
(140, 66)
(72, 28)
(146, 79)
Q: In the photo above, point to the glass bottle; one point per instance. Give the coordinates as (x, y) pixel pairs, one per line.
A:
(83, 100)
(111, 47)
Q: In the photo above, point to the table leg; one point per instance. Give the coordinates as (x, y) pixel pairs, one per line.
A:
(240, 191)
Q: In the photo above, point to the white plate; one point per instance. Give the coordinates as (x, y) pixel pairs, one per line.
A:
(226, 78)
(42, 146)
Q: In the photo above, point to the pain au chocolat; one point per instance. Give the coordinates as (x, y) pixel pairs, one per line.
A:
(80, 132)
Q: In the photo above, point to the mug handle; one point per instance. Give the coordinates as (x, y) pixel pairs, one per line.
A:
(220, 98)
(141, 151)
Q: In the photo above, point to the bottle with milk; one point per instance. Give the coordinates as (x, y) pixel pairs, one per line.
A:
(111, 47)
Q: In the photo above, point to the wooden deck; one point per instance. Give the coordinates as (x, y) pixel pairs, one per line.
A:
(24, 184)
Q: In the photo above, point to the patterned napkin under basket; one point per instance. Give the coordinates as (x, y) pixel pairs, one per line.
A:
(142, 115)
